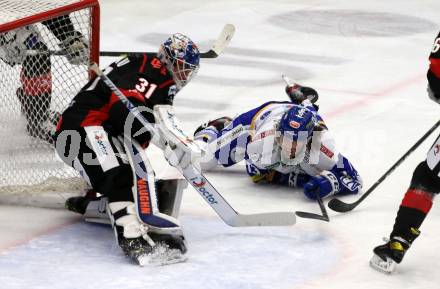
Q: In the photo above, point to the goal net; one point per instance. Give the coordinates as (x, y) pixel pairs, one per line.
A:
(45, 48)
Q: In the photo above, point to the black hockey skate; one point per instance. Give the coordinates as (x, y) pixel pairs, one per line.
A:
(164, 250)
(386, 256)
(168, 249)
(79, 204)
(135, 248)
(144, 244)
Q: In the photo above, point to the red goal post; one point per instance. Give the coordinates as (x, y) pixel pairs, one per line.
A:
(35, 87)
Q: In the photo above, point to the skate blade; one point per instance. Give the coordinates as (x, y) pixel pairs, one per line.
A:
(161, 257)
(380, 265)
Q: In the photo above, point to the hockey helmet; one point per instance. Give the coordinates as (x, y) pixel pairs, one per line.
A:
(296, 129)
(181, 57)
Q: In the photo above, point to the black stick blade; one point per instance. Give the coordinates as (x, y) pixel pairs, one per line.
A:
(341, 207)
(209, 54)
(308, 215)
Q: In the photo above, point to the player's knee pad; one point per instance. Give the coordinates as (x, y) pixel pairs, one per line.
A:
(424, 178)
(117, 183)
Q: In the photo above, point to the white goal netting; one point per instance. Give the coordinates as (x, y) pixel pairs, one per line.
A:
(44, 54)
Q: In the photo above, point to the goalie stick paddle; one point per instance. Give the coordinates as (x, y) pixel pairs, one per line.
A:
(217, 48)
(199, 182)
(342, 207)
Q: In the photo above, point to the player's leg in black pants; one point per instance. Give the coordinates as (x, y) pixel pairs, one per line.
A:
(415, 206)
(35, 92)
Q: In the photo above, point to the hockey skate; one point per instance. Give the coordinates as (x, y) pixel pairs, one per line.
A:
(143, 244)
(386, 256)
(91, 206)
(168, 249)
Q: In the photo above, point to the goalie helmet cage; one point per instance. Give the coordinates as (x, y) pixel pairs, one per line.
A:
(30, 171)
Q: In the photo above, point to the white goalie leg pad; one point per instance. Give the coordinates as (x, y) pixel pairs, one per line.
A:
(144, 189)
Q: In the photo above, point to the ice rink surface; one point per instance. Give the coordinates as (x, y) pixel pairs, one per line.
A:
(367, 60)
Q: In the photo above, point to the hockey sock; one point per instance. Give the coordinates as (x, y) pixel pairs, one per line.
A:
(412, 211)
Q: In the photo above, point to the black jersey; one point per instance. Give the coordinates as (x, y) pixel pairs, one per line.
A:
(142, 79)
(434, 68)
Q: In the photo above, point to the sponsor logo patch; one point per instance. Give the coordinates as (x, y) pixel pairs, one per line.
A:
(265, 134)
(144, 197)
(199, 184)
(294, 124)
(327, 151)
(101, 139)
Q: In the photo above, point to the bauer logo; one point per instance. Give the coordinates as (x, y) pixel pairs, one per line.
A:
(199, 184)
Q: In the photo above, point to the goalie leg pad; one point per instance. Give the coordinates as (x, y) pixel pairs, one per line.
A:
(144, 189)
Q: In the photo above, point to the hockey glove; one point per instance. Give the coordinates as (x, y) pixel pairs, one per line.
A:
(218, 124)
(76, 50)
(13, 50)
(298, 93)
(324, 184)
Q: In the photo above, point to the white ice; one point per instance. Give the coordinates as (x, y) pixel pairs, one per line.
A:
(368, 61)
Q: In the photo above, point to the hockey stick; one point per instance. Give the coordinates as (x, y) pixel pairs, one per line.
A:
(196, 178)
(307, 215)
(342, 207)
(219, 45)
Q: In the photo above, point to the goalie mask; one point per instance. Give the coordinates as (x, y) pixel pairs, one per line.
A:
(181, 57)
(296, 129)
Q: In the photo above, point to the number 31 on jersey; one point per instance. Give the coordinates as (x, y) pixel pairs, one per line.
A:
(145, 87)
